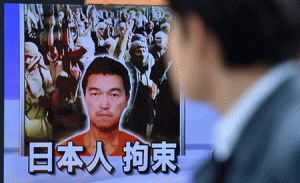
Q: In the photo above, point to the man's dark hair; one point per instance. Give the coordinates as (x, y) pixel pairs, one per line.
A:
(249, 31)
(106, 65)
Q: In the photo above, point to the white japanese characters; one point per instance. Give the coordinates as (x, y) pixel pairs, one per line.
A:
(40, 157)
(99, 158)
(164, 156)
(70, 158)
(137, 156)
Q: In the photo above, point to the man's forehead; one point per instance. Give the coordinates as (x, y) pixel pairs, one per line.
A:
(105, 81)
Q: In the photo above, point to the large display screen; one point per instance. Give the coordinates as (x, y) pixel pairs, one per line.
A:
(92, 86)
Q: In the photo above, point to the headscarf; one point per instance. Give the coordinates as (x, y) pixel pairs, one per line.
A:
(122, 24)
(163, 37)
(100, 38)
(165, 27)
(138, 37)
(109, 41)
(141, 62)
(108, 21)
(89, 45)
(139, 22)
(32, 49)
(132, 14)
(149, 27)
(112, 42)
(38, 85)
(136, 44)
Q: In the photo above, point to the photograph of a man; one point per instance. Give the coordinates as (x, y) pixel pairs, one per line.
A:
(106, 88)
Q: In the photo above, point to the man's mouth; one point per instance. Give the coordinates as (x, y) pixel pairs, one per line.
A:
(104, 114)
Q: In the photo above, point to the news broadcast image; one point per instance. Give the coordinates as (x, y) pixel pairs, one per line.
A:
(88, 97)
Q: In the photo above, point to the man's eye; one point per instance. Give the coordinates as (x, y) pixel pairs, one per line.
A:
(114, 95)
(94, 94)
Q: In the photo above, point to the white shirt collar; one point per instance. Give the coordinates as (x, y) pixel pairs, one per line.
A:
(232, 124)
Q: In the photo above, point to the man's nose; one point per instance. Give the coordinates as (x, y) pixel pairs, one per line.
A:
(104, 102)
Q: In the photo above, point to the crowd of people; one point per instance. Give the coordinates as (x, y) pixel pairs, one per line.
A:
(62, 40)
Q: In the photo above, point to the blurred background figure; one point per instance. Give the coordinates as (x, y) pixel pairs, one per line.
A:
(240, 56)
(141, 114)
(33, 18)
(38, 96)
(132, 14)
(160, 46)
(167, 116)
(140, 15)
(150, 34)
(165, 27)
(99, 37)
(138, 26)
(109, 31)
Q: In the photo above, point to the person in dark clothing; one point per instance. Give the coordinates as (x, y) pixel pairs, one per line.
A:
(167, 118)
(160, 46)
(140, 114)
(240, 56)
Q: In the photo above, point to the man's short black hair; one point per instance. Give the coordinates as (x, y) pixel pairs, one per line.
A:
(249, 31)
(106, 65)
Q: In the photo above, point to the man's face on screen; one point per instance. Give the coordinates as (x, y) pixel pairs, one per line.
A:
(105, 100)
